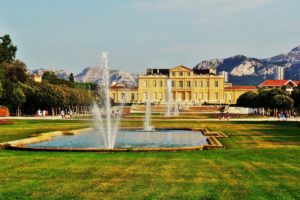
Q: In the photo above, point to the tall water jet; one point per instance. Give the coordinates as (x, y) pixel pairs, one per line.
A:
(105, 125)
(176, 108)
(147, 122)
(169, 98)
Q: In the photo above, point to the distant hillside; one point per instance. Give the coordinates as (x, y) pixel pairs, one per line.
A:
(252, 71)
(93, 74)
(242, 69)
(59, 72)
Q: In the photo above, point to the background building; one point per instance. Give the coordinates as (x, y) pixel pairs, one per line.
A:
(288, 85)
(279, 73)
(191, 86)
(225, 74)
(187, 85)
(36, 78)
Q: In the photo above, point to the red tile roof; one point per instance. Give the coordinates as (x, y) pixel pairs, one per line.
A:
(276, 83)
(241, 87)
(297, 83)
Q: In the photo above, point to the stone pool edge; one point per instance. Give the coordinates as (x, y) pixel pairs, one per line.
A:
(213, 142)
(42, 137)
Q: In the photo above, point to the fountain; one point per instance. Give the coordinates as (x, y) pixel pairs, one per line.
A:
(147, 122)
(176, 108)
(169, 98)
(105, 125)
(171, 107)
(107, 137)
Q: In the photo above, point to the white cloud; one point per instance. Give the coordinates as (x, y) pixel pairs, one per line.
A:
(202, 11)
(209, 7)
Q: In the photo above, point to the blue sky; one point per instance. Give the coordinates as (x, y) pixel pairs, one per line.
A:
(138, 34)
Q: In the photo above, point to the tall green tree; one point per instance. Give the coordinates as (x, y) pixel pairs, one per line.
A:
(50, 96)
(7, 49)
(51, 77)
(17, 98)
(1, 90)
(31, 104)
(264, 97)
(15, 71)
(1, 72)
(248, 99)
(71, 78)
(296, 97)
(282, 102)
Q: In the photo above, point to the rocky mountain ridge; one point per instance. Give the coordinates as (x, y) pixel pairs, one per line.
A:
(93, 74)
(244, 70)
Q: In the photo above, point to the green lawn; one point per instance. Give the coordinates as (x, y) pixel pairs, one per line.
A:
(195, 116)
(259, 161)
(24, 128)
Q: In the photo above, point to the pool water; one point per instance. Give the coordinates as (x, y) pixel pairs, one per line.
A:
(129, 139)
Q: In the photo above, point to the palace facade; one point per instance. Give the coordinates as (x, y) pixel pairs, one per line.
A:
(195, 86)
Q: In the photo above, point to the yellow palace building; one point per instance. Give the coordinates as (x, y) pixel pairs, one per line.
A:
(191, 86)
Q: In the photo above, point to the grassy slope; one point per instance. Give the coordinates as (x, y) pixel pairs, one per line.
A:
(253, 166)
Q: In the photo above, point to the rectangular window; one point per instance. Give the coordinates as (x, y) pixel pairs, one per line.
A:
(132, 96)
(207, 83)
(160, 96)
(195, 96)
(195, 83)
(146, 83)
(161, 83)
(180, 84)
(216, 83)
(123, 96)
(188, 84)
(216, 96)
(154, 83)
(188, 95)
(201, 83)
(188, 73)
(200, 96)
(173, 83)
(173, 73)
(180, 73)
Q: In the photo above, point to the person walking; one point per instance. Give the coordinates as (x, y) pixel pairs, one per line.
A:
(278, 115)
(227, 115)
(39, 113)
(70, 113)
(62, 114)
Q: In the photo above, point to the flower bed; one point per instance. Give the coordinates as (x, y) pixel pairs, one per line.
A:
(5, 122)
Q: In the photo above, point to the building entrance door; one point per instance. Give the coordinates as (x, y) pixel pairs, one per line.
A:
(180, 96)
(188, 96)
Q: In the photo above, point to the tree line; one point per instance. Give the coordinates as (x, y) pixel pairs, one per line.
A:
(277, 99)
(22, 95)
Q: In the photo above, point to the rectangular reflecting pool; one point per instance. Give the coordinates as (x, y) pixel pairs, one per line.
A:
(129, 139)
